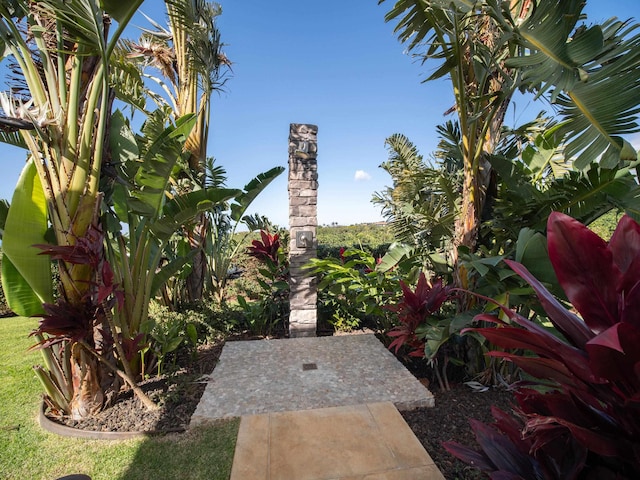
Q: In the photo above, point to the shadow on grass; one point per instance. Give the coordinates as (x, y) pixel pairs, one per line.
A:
(200, 453)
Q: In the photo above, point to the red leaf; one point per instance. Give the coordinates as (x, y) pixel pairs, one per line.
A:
(570, 325)
(545, 345)
(584, 267)
(625, 244)
(502, 452)
(510, 427)
(543, 368)
(609, 338)
(615, 353)
(631, 306)
(469, 455)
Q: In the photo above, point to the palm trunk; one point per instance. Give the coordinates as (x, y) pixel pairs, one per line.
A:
(198, 275)
(480, 138)
(88, 397)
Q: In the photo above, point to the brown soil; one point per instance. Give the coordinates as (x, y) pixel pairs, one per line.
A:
(178, 395)
(449, 421)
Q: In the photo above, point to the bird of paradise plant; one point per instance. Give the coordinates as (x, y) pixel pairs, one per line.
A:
(60, 112)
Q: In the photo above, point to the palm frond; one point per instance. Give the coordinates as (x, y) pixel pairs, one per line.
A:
(579, 68)
(82, 20)
(126, 80)
(12, 138)
(215, 176)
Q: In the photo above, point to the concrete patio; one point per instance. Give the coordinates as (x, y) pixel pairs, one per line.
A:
(359, 442)
(265, 376)
(319, 408)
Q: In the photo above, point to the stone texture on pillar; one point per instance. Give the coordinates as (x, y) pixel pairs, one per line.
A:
(303, 217)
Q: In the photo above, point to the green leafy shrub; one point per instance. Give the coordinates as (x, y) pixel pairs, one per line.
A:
(352, 293)
(167, 332)
(370, 234)
(333, 251)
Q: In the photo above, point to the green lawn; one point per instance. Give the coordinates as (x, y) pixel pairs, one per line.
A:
(26, 451)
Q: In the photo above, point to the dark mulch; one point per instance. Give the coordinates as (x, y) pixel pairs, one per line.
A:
(449, 421)
(178, 395)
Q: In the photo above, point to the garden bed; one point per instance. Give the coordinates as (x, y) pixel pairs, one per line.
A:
(178, 395)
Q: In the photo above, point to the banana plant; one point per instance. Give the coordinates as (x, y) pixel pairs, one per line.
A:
(577, 67)
(188, 55)
(489, 48)
(153, 210)
(61, 51)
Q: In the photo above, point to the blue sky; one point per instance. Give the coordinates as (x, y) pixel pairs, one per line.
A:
(333, 63)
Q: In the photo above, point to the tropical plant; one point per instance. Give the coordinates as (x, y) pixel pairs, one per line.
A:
(224, 244)
(68, 326)
(578, 415)
(352, 293)
(168, 332)
(189, 58)
(540, 181)
(465, 38)
(272, 308)
(426, 325)
(144, 201)
(421, 206)
(61, 52)
(490, 48)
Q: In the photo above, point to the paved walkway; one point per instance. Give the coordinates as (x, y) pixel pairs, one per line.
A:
(359, 442)
(322, 408)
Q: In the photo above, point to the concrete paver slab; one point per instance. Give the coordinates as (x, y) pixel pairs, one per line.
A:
(355, 442)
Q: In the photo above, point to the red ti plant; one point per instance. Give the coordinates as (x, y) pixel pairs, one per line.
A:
(87, 330)
(413, 309)
(582, 418)
(269, 252)
(267, 248)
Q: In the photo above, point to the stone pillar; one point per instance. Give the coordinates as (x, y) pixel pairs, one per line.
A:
(303, 220)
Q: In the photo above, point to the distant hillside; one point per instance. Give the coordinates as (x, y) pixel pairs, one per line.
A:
(369, 234)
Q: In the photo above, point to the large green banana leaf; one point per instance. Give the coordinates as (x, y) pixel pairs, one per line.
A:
(184, 208)
(160, 149)
(26, 275)
(251, 191)
(592, 73)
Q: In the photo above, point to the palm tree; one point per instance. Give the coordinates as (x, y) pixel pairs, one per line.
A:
(488, 49)
(465, 38)
(422, 204)
(190, 59)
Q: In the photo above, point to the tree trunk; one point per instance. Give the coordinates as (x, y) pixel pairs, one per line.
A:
(482, 131)
(88, 397)
(197, 240)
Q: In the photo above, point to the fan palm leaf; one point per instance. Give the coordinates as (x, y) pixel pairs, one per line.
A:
(579, 67)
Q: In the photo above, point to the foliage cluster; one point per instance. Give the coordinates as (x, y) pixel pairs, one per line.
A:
(491, 194)
(578, 417)
(270, 312)
(90, 173)
(372, 234)
(352, 293)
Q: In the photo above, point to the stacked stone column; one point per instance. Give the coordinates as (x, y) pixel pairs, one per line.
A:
(303, 220)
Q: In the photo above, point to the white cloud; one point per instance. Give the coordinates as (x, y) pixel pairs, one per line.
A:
(361, 175)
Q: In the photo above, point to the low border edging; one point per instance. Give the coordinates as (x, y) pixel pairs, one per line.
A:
(66, 431)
